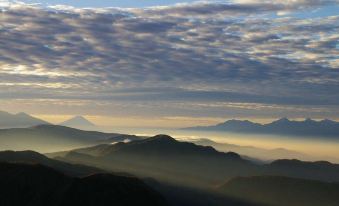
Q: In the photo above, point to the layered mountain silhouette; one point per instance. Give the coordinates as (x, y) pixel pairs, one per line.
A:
(167, 159)
(282, 191)
(284, 126)
(162, 157)
(20, 120)
(188, 175)
(51, 138)
(38, 185)
(57, 178)
(78, 122)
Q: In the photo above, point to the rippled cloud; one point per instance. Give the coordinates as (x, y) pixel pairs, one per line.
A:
(232, 52)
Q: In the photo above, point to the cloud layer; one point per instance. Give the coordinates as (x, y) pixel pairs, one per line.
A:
(202, 54)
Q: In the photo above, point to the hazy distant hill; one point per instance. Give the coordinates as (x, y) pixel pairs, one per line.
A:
(38, 185)
(282, 126)
(78, 122)
(254, 152)
(19, 120)
(283, 191)
(51, 138)
(167, 159)
(320, 170)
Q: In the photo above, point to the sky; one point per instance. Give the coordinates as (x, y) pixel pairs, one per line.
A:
(170, 63)
(111, 3)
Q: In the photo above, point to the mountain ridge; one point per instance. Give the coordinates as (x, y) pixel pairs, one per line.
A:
(52, 138)
(283, 126)
(32, 157)
(19, 120)
(167, 159)
(162, 157)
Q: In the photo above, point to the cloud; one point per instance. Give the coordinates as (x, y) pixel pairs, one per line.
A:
(203, 52)
(234, 8)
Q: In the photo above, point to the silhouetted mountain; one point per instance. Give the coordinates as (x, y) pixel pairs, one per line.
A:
(32, 157)
(282, 126)
(238, 125)
(168, 167)
(24, 185)
(51, 138)
(320, 170)
(254, 152)
(78, 122)
(20, 120)
(283, 191)
(165, 158)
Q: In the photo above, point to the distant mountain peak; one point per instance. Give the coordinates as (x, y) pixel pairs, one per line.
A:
(79, 118)
(77, 121)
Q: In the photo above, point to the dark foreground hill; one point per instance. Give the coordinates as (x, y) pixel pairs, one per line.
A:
(26, 185)
(194, 166)
(51, 138)
(283, 191)
(175, 195)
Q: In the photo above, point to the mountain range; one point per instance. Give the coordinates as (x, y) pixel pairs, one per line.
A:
(23, 120)
(284, 126)
(164, 158)
(162, 170)
(22, 169)
(19, 120)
